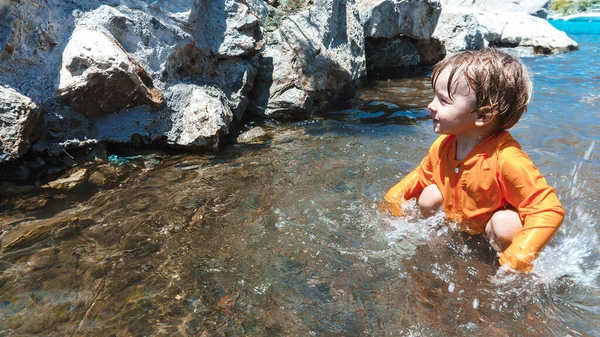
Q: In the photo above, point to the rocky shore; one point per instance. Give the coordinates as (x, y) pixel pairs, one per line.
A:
(77, 77)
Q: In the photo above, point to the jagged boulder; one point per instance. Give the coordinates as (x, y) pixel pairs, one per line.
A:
(225, 28)
(310, 60)
(234, 76)
(20, 123)
(99, 77)
(200, 116)
(462, 28)
(391, 18)
(398, 33)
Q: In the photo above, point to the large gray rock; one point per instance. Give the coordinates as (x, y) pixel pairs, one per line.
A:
(310, 60)
(391, 53)
(99, 77)
(20, 123)
(225, 28)
(201, 116)
(234, 76)
(537, 8)
(462, 28)
(32, 33)
(398, 33)
(391, 18)
(149, 36)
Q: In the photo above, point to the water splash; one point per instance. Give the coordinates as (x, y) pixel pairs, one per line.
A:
(574, 251)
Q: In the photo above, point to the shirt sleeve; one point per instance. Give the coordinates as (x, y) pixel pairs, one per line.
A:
(411, 185)
(541, 212)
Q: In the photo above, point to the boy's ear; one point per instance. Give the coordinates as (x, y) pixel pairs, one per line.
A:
(484, 116)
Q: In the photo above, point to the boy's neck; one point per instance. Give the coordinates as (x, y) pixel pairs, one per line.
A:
(466, 143)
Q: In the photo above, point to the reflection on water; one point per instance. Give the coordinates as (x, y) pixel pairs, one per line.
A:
(286, 238)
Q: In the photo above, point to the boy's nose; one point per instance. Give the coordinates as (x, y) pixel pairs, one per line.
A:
(431, 106)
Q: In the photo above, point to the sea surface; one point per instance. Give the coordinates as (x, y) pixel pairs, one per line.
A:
(285, 237)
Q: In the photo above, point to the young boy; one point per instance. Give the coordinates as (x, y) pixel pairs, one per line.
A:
(475, 171)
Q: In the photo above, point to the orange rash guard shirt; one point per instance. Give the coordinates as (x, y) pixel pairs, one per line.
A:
(496, 174)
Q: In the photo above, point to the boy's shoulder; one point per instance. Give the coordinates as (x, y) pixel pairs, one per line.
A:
(509, 153)
(506, 143)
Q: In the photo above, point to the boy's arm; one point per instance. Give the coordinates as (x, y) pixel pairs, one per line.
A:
(409, 187)
(537, 204)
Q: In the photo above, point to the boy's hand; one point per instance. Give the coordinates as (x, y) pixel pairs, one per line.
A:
(394, 209)
(519, 261)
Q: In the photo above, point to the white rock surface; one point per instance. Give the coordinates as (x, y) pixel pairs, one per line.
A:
(532, 7)
(99, 77)
(200, 116)
(462, 28)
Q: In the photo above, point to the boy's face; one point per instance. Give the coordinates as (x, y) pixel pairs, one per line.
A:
(453, 115)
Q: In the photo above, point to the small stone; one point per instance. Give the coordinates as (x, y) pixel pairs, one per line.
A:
(42, 259)
(255, 135)
(97, 179)
(70, 182)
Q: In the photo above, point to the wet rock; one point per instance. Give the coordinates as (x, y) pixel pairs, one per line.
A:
(42, 259)
(106, 175)
(391, 53)
(46, 315)
(98, 77)
(10, 188)
(430, 51)
(21, 123)
(98, 179)
(70, 182)
(30, 232)
(256, 135)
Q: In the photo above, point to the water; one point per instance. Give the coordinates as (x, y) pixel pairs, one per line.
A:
(286, 238)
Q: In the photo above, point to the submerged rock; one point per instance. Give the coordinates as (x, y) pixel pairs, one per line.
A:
(69, 182)
(252, 136)
(31, 232)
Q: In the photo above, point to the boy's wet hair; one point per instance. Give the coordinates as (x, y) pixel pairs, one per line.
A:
(501, 82)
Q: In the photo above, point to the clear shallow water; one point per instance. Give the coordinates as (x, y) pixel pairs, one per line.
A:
(286, 238)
